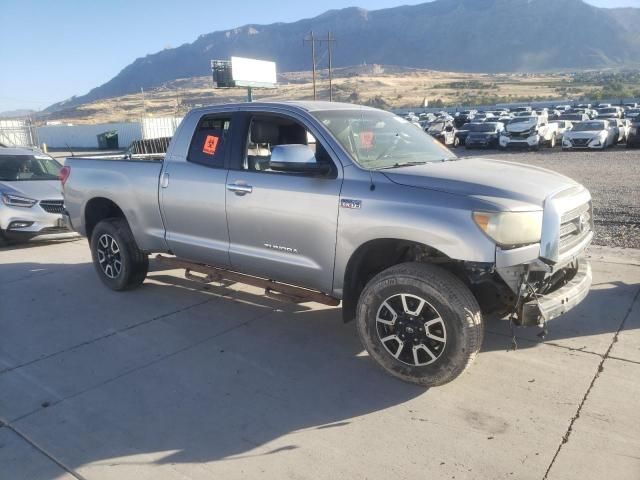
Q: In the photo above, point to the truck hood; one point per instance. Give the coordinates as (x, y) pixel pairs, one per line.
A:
(484, 178)
(36, 189)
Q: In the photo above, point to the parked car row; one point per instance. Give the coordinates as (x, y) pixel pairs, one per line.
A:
(526, 127)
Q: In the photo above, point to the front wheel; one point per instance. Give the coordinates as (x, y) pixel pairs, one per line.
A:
(120, 264)
(419, 323)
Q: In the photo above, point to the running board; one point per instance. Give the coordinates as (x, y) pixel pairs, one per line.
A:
(272, 288)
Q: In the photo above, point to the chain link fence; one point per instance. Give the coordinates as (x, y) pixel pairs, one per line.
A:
(18, 133)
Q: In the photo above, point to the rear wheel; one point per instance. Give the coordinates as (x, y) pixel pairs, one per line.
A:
(120, 264)
(419, 323)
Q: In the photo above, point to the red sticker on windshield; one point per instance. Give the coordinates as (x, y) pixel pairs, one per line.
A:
(210, 145)
(366, 140)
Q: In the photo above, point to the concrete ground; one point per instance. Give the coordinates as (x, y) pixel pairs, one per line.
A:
(177, 380)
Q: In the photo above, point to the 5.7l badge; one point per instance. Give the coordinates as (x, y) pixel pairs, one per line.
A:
(350, 203)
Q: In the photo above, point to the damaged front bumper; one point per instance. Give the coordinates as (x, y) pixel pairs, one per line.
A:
(557, 302)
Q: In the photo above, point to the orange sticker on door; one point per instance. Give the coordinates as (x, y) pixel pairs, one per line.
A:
(210, 145)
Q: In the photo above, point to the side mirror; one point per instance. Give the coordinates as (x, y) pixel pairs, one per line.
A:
(296, 159)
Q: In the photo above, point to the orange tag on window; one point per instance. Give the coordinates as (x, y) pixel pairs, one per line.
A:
(366, 140)
(210, 145)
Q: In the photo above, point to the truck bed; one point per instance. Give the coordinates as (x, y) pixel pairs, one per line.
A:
(129, 182)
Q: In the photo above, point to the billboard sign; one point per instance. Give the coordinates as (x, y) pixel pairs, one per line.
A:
(247, 72)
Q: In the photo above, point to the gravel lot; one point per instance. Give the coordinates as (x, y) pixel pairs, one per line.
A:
(612, 176)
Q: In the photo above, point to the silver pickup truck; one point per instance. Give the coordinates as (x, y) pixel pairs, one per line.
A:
(340, 203)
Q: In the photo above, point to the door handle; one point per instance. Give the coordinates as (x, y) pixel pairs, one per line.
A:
(239, 189)
(164, 183)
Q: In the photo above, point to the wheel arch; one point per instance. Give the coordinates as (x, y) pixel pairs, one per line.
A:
(98, 209)
(374, 256)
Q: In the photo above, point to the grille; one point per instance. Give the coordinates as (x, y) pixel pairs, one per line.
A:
(52, 206)
(575, 226)
(580, 142)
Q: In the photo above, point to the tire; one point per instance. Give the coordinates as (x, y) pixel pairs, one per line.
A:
(3, 241)
(120, 265)
(449, 312)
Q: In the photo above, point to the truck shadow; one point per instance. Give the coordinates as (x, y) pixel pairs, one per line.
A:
(233, 393)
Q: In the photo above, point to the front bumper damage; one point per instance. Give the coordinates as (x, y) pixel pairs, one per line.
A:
(544, 307)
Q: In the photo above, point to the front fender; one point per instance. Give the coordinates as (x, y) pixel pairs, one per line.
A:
(436, 219)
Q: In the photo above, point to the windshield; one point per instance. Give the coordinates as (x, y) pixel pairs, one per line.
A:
(588, 126)
(376, 139)
(436, 127)
(483, 127)
(16, 168)
(523, 120)
(608, 110)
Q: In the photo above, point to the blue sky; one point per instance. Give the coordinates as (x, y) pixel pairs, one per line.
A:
(53, 49)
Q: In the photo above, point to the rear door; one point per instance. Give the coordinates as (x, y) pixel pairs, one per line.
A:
(282, 225)
(192, 192)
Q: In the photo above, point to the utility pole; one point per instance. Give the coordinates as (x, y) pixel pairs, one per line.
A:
(311, 39)
(144, 107)
(329, 40)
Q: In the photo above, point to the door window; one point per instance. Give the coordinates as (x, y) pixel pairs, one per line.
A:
(268, 131)
(210, 142)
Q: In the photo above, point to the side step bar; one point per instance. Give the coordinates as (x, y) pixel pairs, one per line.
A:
(281, 291)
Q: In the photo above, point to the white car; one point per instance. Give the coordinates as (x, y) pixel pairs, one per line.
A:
(563, 126)
(592, 134)
(31, 201)
(529, 132)
(622, 127)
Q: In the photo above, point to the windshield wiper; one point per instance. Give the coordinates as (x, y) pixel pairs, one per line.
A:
(403, 164)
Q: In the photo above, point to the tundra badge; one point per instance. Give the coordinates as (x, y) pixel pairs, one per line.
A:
(281, 248)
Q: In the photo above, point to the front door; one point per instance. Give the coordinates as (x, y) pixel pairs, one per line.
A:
(282, 226)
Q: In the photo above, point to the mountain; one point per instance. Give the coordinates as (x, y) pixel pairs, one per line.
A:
(20, 113)
(449, 35)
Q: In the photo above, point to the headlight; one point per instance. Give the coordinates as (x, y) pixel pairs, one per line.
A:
(510, 228)
(17, 201)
